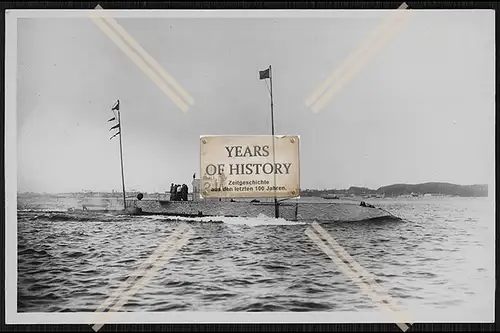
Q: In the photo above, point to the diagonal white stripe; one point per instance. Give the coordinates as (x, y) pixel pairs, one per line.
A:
(356, 267)
(355, 68)
(151, 273)
(147, 277)
(148, 58)
(144, 265)
(383, 301)
(323, 86)
(343, 253)
(140, 63)
(380, 33)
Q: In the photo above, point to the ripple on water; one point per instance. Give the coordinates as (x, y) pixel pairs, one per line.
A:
(259, 307)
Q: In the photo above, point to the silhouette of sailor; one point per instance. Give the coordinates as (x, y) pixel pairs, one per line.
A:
(184, 192)
(172, 198)
(178, 193)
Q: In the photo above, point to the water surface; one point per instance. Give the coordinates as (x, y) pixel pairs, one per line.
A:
(440, 256)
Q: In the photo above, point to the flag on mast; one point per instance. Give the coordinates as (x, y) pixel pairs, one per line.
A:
(264, 74)
(116, 106)
(116, 126)
(114, 135)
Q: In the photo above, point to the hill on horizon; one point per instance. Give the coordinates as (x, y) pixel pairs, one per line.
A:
(476, 190)
(438, 188)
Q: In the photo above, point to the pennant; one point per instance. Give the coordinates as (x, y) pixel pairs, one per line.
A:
(264, 74)
(112, 119)
(116, 126)
(114, 135)
(116, 106)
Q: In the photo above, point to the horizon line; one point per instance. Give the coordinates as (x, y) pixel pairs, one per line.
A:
(302, 189)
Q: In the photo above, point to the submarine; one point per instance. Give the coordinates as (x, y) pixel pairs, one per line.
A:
(294, 209)
(214, 150)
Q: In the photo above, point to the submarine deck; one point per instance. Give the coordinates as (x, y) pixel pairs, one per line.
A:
(302, 211)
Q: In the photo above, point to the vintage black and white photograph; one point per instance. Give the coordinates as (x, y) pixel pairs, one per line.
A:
(256, 166)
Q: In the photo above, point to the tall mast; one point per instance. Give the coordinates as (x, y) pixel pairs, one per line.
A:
(121, 160)
(276, 207)
(116, 112)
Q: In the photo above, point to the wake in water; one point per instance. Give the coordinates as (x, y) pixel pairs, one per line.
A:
(249, 221)
(64, 216)
(47, 210)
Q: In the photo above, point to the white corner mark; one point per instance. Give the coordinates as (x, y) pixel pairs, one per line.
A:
(353, 64)
(141, 58)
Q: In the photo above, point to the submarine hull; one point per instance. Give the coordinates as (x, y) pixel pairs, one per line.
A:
(294, 211)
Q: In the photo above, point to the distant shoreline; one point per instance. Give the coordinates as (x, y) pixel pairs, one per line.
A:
(395, 190)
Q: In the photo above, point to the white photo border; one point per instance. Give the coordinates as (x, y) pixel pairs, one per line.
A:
(11, 288)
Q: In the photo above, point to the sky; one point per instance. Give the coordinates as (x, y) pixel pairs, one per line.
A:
(421, 109)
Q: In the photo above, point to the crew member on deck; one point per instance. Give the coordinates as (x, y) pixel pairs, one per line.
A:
(178, 193)
(184, 192)
(172, 192)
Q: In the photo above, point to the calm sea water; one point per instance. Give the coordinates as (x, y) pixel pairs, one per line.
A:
(440, 256)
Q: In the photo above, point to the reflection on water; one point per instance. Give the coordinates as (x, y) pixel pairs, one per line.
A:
(439, 257)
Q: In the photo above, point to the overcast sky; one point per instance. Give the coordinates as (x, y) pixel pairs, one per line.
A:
(421, 109)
